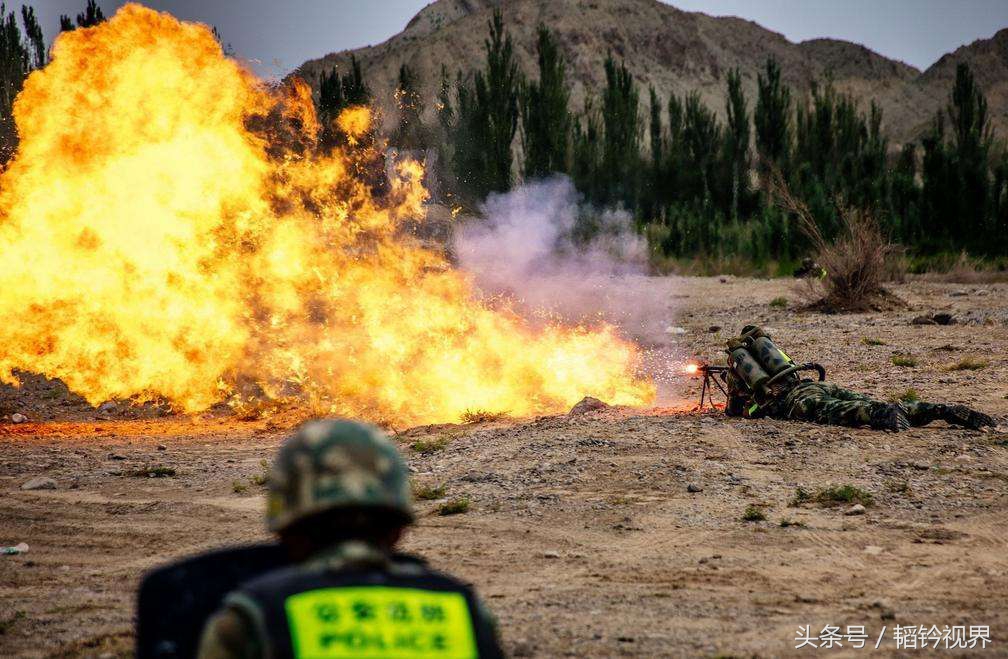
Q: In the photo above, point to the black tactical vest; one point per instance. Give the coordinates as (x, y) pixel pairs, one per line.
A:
(368, 612)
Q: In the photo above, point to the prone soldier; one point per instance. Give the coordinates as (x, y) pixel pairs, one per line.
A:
(763, 381)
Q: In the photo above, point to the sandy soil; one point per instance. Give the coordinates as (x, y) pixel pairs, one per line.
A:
(584, 536)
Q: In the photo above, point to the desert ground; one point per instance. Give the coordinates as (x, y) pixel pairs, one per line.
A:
(615, 533)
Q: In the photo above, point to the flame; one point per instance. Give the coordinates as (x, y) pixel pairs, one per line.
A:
(691, 369)
(167, 229)
(355, 122)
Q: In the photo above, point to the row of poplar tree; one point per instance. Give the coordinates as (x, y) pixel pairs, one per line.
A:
(693, 181)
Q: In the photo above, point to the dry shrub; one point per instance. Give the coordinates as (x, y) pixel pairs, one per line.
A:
(857, 261)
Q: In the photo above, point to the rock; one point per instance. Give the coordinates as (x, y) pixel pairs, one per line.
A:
(958, 294)
(693, 487)
(551, 554)
(963, 457)
(17, 417)
(923, 320)
(943, 319)
(40, 483)
(675, 331)
(856, 509)
(107, 406)
(162, 447)
(116, 456)
(873, 550)
(588, 404)
(713, 329)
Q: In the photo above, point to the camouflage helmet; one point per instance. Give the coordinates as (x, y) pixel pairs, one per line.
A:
(330, 464)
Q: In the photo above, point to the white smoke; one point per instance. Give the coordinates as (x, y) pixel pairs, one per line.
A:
(525, 249)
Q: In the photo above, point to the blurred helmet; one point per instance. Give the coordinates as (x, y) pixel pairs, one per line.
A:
(333, 464)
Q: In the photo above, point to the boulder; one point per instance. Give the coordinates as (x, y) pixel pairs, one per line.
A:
(588, 404)
(40, 483)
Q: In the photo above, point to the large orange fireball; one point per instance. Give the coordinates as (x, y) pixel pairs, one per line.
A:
(153, 242)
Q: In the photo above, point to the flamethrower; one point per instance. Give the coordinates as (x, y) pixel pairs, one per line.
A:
(719, 376)
(716, 374)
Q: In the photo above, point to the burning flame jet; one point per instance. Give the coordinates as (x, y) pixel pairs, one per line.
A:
(170, 228)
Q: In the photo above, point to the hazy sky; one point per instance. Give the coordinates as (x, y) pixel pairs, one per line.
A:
(278, 35)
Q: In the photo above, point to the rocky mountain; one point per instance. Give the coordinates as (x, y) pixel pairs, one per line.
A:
(673, 50)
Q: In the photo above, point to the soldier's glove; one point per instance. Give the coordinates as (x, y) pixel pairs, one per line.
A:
(960, 415)
(891, 417)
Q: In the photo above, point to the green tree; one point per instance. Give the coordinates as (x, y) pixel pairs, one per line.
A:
(622, 131)
(736, 144)
(546, 118)
(702, 142)
(772, 116)
(411, 132)
(586, 165)
(484, 119)
(651, 196)
(496, 91)
(91, 16)
(972, 139)
(338, 91)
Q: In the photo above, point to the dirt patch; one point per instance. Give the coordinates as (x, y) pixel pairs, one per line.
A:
(615, 533)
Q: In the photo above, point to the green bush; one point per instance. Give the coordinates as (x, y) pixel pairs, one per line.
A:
(431, 444)
(454, 507)
(833, 495)
(426, 492)
(905, 361)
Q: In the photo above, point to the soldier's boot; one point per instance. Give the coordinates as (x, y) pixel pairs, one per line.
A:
(960, 415)
(889, 417)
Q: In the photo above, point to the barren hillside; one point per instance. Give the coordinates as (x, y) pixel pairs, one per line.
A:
(673, 50)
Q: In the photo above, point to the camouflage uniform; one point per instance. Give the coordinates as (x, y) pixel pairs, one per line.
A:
(330, 465)
(822, 402)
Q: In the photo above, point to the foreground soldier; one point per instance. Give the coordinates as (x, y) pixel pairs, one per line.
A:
(763, 381)
(339, 500)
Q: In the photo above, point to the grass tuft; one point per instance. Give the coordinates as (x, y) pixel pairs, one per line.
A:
(454, 507)
(262, 477)
(908, 396)
(239, 487)
(968, 364)
(906, 361)
(753, 514)
(779, 303)
(427, 492)
(872, 342)
(834, 495)
(482, 416)
(153, 471)
(787, 522)
(431, 444)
